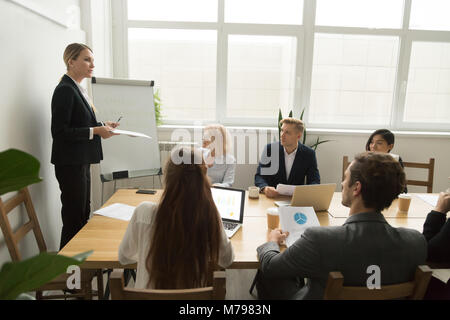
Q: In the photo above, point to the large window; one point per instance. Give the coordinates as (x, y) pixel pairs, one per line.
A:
(261, 72)
(353, 79)
(428, 91)
(430, 15)
(360, 13)
(347, 63)
(183, 65)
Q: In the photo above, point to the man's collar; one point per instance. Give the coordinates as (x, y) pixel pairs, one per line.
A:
(290, 154)
(372, 216)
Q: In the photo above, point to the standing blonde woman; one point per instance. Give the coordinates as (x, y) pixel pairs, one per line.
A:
(76, 137)
(220, 161)
(178, 242)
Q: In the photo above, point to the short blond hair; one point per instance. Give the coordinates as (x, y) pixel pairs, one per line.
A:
(299, 125)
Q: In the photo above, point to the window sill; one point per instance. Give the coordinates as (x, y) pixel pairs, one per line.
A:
(322, 131)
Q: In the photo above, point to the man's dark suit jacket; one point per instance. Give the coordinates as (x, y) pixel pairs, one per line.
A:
(365, 239)
(305, 165)
(72, 117)
(436, 230)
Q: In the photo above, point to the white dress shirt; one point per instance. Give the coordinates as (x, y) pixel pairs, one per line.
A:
(135, 244)
(86, 97)
(289, 161)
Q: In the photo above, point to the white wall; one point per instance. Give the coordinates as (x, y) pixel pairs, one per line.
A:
(31, 65)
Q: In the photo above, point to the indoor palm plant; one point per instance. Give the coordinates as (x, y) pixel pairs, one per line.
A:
(19, 169)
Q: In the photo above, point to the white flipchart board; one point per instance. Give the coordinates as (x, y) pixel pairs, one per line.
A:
(124, 156)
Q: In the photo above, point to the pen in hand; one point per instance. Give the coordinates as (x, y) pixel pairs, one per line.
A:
(119, 119)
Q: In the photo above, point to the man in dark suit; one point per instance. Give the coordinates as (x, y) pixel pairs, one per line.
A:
(365, 242)
(287, 161)
(436, 230)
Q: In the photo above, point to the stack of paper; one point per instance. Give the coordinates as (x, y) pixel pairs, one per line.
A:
(285, 189)
(429, 198)
(441, 274)
(296, 220)
(117, 211)
(131, 133)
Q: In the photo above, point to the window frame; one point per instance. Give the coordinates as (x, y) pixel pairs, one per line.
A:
(304, 34)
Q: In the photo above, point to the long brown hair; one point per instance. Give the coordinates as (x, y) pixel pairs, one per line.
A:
(184, 247)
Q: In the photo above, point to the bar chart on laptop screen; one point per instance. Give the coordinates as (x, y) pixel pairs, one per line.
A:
(227, 202)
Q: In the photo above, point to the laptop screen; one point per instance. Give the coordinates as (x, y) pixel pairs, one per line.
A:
(229, 203)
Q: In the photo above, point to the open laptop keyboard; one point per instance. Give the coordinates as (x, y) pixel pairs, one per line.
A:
(229, 225)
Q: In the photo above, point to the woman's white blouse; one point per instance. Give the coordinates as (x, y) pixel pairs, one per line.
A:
(222, 172)
(135, 244)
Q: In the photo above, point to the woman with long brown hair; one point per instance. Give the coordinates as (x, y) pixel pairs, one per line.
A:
(178, 242)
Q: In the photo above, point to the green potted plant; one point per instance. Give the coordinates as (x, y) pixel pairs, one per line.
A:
(18, 170)
(314, 145)
(157, 103)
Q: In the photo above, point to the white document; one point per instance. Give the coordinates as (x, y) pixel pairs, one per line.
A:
(295, 220)
(285, 189)
(117, 211)
(441, 274)
(429, 198)
(131, 133)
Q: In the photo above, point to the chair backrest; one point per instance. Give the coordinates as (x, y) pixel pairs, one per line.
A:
(12, 238)
(427, 165)
(414, 290)
(215, 292)
(345, 164)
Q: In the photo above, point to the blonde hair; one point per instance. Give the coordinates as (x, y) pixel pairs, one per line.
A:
(218, 131)
(299, 125)
(72, 52)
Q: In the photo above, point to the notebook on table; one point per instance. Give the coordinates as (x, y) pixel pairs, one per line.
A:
(230, 204)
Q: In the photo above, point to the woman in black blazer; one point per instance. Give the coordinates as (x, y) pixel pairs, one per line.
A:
(76, 139)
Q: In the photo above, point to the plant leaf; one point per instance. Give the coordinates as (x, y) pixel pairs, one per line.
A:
(30, 274)
(314, 146)
(280, 117)
(301, 116)
(18, 169)
(290, 114)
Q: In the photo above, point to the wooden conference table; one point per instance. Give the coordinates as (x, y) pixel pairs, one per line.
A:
(103, 235)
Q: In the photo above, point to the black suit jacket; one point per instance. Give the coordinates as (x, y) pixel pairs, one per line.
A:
(305, 165)
(72, 117)
(436, 230)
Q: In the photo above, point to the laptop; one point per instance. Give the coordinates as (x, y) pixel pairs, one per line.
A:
(317, 196)
(230, 204)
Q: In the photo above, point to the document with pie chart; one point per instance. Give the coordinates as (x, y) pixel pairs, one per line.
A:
(295, 220)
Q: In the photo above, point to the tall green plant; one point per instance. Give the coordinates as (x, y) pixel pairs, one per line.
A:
(157, 103)
(314, 145)
(19, 169)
